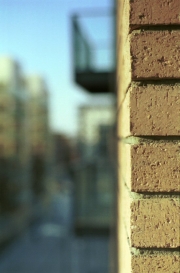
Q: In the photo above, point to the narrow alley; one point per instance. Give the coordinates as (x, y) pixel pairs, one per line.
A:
(50, 245)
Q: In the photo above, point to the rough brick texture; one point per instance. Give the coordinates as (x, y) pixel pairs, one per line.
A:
(157, 263)
(155, 12)
(155, 110)
(155, 167)
(148, 79)
(155, 55)
(155, 223)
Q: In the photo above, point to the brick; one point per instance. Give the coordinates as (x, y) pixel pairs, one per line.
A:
(123, 220)
(153, 12)
(155, 54)
(158, 263)
(123, 46)
(125, 263)
(148, 78)
(155, 167)
(155, 223)
(155, 110)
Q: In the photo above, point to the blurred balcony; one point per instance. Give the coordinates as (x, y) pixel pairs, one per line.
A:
(93, 197)
(94, 51)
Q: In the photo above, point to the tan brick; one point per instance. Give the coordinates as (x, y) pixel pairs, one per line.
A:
(155, 110)
(155, 54)
(157, 263)
(150, 110)
(123, 220)
(124, 249)
(153, 12)
(123, 46)
(155, 167)
(155, 223)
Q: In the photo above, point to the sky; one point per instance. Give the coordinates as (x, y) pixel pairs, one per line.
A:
(37, 33)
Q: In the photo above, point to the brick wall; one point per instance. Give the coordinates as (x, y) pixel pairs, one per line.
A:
(148, 80)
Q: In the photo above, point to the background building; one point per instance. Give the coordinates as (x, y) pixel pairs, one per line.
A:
(91, 118)
(94, 172)
(24, 145)
(13, 135)
(39, 135)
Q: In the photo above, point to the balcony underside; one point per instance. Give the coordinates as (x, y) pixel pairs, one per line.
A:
(95, 82)
(84, 229)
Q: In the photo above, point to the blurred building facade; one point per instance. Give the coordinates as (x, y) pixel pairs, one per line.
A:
(64, 154)
(23, 132)
(37, 108)
(94, 181)
(13, 120)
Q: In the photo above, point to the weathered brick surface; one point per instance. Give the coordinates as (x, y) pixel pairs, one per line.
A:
(153, 12)
(125, 264)
(148, 105)
(155, 223)
(155, 167)
(155, 54)
(123, 46)
(157, 263)
(155, 110)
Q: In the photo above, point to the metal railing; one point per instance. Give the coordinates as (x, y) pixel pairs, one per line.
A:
(93, 42)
